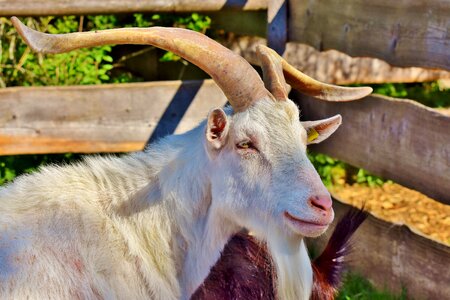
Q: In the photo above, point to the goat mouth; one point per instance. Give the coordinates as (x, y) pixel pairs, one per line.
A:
(304, 224)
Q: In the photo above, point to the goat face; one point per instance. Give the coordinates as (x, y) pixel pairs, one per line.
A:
(261, 175)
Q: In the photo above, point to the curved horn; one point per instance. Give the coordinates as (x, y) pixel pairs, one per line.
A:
(272, 73)
(310, 86)
(233, 74)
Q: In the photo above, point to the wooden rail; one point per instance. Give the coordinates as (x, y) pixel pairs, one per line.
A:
(107, 118)
(83, 7)
(336, 67)
(393, 257)
(403, 33)
(397, 139)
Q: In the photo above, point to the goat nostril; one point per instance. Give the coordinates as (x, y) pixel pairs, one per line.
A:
(318, 205)
(321, 202)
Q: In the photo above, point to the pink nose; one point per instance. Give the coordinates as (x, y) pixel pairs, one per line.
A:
(322, 202)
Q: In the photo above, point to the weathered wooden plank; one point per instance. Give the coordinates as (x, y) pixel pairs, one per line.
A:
(252, 23)
(336, 67)
(393, 257)
(398, 139)
(82, 7)
(107, 118)
(403, 33)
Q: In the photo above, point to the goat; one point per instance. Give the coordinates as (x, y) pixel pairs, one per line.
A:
(245, 271)
(152, 224)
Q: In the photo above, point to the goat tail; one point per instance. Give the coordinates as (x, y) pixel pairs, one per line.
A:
(328, 267)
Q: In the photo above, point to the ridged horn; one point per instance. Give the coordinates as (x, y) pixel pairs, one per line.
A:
(272, 73)
(306, 84)
(240, 83)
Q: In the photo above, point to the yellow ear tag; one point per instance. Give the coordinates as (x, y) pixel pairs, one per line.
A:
(312, 134)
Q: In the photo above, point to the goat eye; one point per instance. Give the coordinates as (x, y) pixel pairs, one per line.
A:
(245, 145)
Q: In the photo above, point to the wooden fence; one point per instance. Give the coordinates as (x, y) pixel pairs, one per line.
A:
(106, 118)
(403, 33)
(394, 257)
(397, 139)
(84, 7)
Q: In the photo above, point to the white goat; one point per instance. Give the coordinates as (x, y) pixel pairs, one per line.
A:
(151, 224)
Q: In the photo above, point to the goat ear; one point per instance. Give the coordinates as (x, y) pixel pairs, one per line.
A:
(320, 130)
(217, 128)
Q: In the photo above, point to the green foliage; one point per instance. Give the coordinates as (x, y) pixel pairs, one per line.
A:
(124, 77)
(102, 22)
(356, 287)
(332, 171)
(362, 176)
(20, 67)
(15, 165)
(194, 22)
(427, 93)
(336, 172)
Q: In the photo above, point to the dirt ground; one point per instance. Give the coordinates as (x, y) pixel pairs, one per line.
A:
(399, 205)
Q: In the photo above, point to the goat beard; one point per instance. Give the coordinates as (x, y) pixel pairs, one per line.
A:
(246, 270)
(294, 275)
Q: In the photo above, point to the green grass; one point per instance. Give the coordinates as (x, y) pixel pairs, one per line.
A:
(356, 287)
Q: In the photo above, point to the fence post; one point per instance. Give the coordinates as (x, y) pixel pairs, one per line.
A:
(277, 25)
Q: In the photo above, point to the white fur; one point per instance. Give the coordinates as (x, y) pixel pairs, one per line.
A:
(150, 225)
(294, 272)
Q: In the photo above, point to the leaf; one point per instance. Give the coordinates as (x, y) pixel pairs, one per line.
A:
(107, 58)
(104, 77)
